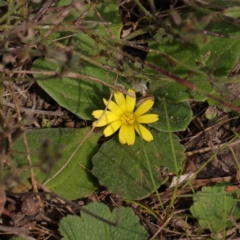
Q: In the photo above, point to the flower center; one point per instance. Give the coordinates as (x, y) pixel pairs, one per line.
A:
(128, 118)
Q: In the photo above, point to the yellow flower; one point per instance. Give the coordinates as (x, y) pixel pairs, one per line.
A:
(122, 115)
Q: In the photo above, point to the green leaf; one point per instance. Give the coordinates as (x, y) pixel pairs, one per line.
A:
(75, 180)
(214, 55)
(172, 92)
(233, 12)
(179, 114)
(110, 24)
(224, 3)
(112, 27)
(63, 3)
(87, 227)
(124, 170)
(3, 3)
(215, 209)
(79, 96)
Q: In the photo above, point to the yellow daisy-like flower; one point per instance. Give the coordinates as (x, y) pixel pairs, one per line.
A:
(122, 115)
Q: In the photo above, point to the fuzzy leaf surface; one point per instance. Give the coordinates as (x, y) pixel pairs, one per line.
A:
(211, 54)
(179, 115)
(123, 169)
(74, 181)
(89, 228)
(79, 94)
(214, 208)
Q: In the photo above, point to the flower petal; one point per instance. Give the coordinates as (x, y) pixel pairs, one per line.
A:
(130, 101)
(147, 118)
(107, 118)
(144, 107)
(100, 123)
(112, 106)
(131, 135)
(97, 113)
(112, 128)
(143, 132)
(127, 134)
(122, 134)
(120, 100)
